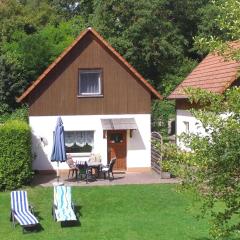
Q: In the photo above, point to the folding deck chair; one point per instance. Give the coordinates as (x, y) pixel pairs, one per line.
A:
(63, 208)
(21, 211)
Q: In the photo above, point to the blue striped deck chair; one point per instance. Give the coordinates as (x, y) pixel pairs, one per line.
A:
(20, 210)
(63, 209)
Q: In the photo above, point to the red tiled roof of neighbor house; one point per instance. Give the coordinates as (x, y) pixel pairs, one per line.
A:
(153, 91)
(214, 74)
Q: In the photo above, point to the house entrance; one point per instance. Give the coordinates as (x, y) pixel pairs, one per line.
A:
(117, 145)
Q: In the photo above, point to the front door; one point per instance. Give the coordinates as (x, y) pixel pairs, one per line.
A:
(117, 145)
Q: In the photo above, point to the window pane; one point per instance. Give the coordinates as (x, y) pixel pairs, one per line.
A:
(78, 141)
(90, 82)
(116, 138)
(186, 127)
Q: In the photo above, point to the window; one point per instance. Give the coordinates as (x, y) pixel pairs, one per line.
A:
(186, 127)
(90, 83)
(116, 138)
(79, 141)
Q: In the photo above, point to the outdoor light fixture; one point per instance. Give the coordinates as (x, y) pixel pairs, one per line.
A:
(44, 141)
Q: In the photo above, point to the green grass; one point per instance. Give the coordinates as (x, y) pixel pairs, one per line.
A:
(113, 212)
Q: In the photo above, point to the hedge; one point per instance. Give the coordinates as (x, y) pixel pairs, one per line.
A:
(15, 154)
(18, 114)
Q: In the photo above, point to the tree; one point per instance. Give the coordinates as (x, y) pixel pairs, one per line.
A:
(72, 8)
(25, 58)
(143, 32)
(187, 14)
(25, 16)
(11, 84)
(211, 168)
(154, 36)
(220, 28)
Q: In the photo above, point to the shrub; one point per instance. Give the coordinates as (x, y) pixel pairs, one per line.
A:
(211, 166)
(15, 154)
(18, 114)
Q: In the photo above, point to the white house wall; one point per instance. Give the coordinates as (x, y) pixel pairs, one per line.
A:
(138, 147)
(194, 125)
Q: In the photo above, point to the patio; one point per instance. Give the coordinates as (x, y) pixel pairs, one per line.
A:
(147, 177)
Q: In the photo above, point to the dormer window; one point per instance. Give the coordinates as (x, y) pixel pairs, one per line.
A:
(90, 83)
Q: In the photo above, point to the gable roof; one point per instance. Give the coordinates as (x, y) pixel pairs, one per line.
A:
(214, 74)
(41, 78)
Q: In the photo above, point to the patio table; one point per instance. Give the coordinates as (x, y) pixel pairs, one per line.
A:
(96, 166)
(92, 169)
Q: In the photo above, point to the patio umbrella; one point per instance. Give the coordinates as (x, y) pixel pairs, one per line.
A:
(58, 152)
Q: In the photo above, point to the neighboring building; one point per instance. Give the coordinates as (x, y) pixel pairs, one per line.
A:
(214, 74)
(103, 101)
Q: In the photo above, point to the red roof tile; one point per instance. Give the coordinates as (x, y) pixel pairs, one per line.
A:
(153, 91)
(214, 73)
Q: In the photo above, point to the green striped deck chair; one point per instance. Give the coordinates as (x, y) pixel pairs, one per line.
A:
(63, 209)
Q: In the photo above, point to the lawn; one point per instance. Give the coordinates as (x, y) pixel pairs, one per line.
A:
(113, 212)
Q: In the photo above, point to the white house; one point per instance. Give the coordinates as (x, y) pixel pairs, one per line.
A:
(104, 103)
(214, 74)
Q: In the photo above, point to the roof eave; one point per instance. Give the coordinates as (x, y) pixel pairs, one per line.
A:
(177, 97)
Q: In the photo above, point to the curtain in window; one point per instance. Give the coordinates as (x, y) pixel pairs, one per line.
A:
(89, 82)
(80, 138)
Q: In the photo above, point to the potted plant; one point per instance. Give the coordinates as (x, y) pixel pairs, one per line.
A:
(165, 174)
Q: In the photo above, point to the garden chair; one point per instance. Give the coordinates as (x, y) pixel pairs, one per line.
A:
(63, 208)
(109, 168)
(21, 211)
(83, 170)
(72, 167)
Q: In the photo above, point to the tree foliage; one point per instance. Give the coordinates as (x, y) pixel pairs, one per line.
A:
(223, 28)
(11, 84)
(36, 51)
(154, 36)
(25, 54)
(212, 166)
(147, 35)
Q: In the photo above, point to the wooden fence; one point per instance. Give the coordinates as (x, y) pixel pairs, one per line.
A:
(156, 154)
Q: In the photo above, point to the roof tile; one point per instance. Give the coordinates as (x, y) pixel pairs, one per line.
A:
(214, 73)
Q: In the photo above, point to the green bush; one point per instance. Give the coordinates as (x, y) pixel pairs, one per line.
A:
(15, 154)
(17, 114)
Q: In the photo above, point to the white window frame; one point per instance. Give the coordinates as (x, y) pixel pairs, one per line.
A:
(99, 93)
(186, 127)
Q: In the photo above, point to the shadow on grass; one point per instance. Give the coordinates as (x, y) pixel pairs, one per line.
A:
(71, 224)
(33, 229)
(78, 211)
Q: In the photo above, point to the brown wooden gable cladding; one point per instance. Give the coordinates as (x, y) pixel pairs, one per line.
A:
(123, 93)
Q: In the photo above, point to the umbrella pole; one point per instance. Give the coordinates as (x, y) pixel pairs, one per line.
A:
(57, 171)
